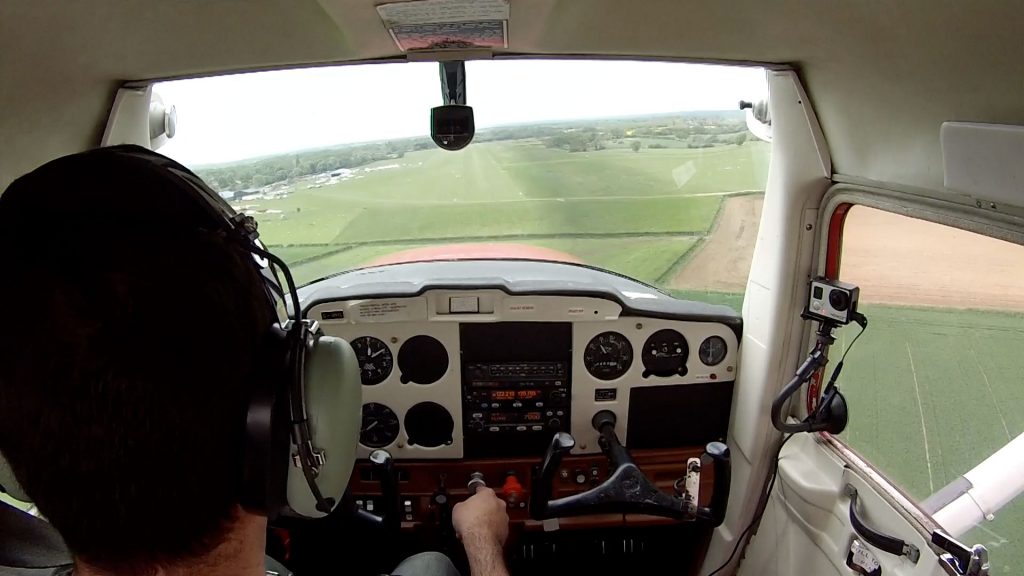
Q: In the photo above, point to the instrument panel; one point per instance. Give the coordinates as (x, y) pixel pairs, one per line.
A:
(483, 373)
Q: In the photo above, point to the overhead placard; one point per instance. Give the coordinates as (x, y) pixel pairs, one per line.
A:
(447, 24)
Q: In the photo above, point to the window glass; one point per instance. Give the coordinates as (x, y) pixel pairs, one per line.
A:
(936, 384)
(643, 168)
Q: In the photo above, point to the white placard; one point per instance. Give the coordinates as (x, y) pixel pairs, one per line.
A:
(438, 11)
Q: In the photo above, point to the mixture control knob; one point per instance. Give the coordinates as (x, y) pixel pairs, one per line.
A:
(512, 489)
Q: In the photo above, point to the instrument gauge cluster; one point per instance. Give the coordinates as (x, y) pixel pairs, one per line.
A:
(446, 381)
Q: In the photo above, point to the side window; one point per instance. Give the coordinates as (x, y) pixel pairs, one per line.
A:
(936, 385)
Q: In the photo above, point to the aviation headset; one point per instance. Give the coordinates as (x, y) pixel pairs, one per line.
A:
(301, 428)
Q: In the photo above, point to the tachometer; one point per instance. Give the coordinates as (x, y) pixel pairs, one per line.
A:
(712, 350)
(665, 354)
(608, 356)
(375, 360)
(380, 426)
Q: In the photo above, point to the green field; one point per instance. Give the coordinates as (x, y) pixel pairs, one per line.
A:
(933, 392)
(636, 213)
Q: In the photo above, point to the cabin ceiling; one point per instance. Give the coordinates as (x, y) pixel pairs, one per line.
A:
(882, 76)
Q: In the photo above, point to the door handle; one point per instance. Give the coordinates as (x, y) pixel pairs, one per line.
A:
(884, 542)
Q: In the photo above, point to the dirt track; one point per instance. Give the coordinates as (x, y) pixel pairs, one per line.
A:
(895, 260)
(899, 260)
(722, 262)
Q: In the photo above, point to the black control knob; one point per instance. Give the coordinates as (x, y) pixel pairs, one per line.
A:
(557, 397)
(718, 453)
(383, 465)
(476, 425)
(555, 424)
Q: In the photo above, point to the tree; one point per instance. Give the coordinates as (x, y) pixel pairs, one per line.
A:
(635, 145)
(740, 139)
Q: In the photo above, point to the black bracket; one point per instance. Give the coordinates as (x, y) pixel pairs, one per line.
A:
(960, 560)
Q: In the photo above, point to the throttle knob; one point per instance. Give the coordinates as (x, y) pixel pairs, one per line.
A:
(476, 482)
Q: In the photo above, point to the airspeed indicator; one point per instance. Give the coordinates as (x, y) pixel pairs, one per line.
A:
(608, 356)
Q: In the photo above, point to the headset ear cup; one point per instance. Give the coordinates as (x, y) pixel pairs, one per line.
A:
(267, 446)
(9, 484)
(334, 396)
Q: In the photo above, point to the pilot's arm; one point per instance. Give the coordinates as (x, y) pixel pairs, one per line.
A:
(482, 524)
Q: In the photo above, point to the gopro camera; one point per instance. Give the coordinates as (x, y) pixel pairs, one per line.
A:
(832, 301)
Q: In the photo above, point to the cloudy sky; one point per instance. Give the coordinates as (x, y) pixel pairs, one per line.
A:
(230, 118)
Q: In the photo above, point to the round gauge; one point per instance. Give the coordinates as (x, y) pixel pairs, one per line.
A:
(712, 350)
(375, 360)
(665, 354)
(422, 360)
(429, 424)
(379, 427)
(608, 356)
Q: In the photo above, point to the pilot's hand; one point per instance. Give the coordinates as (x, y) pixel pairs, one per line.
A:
(481, 518)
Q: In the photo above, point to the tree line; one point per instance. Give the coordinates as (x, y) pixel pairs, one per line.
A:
(684, 130)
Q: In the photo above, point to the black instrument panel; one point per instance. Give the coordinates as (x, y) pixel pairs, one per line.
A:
(516, 386)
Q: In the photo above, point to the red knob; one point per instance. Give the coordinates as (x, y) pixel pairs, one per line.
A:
(512, 489)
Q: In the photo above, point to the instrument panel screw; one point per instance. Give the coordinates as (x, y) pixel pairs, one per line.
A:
(728, 368)
(401, 444)
(639, 326)
(394, 340)
(583, 446)
(809, 227)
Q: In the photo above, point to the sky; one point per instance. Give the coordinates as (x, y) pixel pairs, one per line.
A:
(228, 118)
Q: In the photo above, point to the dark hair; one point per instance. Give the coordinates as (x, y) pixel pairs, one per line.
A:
(132, 337)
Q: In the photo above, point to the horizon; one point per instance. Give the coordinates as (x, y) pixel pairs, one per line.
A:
(235, 118)
(342, 145)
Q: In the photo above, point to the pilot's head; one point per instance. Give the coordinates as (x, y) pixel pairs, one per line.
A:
(131, 342)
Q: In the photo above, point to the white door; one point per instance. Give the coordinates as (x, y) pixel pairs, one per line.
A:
(936, 399)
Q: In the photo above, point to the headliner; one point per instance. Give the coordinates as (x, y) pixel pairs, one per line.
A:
(882, 76)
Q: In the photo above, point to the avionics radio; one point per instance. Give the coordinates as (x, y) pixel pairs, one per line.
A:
(516, 398)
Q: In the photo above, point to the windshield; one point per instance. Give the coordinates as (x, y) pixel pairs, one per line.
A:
(643, 168)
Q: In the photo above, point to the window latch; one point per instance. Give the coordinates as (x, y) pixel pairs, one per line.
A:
(959, 560)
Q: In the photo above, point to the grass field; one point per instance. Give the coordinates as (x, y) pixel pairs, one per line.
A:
(637, 213)
(932, 392)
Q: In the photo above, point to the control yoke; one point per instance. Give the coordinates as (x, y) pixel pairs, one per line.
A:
(627, 490)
